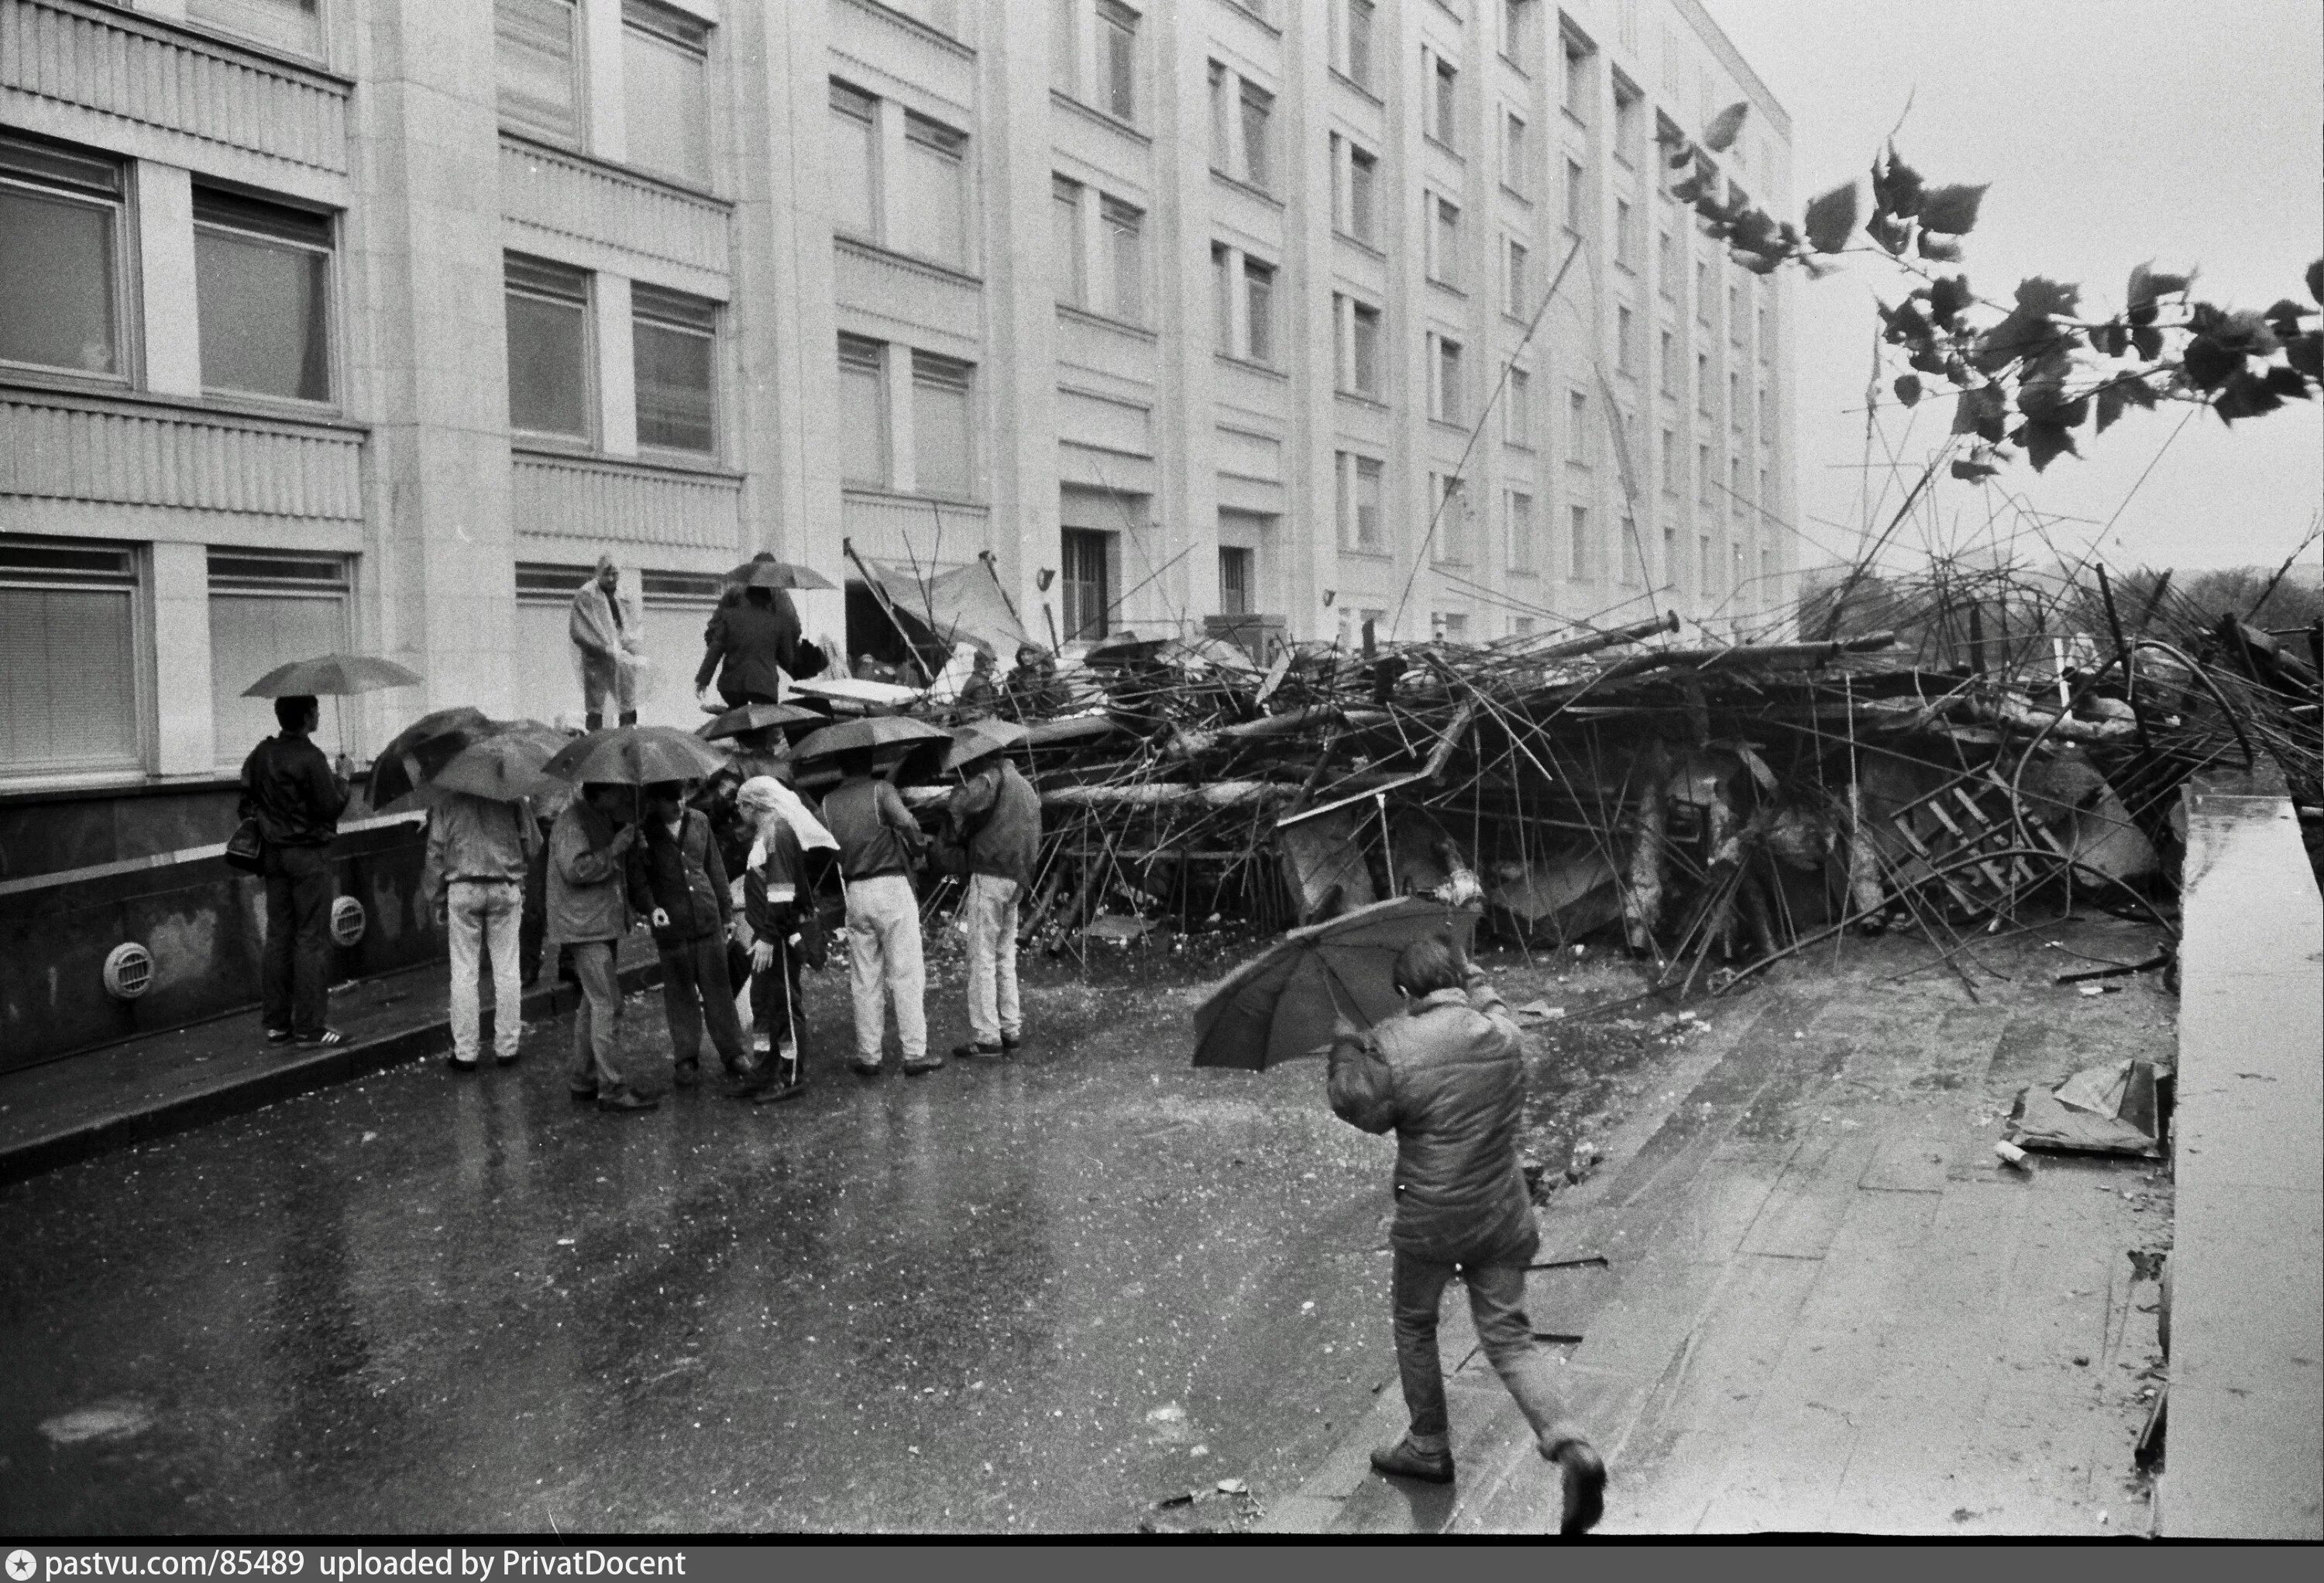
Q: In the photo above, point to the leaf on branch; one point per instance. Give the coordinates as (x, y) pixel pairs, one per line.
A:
(2244, 394)
(2039, 294)
(2285, 311)
(1831, 219)
(1720, 135)
(1939, 249)
(2315, 280)
(2111, 403)
(1758, 264)
(2111, 338)
(1682, 156)
(1969, 472)
(1928, 360)
(1891, 234)
(2306, 353)
(1905, 323)
(1688, 190)
(2208, 364)
(1669, 135)
(1981, 411)
(1947, 298)
(2046, 442)
(2145, 285)
(1908, 389)
(2148, 342)
(1952, 210)
(1896, 187)
(2286, 382)
(1755, 230)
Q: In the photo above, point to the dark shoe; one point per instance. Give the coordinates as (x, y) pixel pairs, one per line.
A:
(627, 1101)
(925, 1064)
(1585, 1486)
(505, 1060)
(974, 1051)
(584, 1095)
(865, 1069)
(1011, 1040)
(278, 1036)
(323, 1041)
(1405, 1460)
(687, 1074)
(458, 1065)
(776, 1093)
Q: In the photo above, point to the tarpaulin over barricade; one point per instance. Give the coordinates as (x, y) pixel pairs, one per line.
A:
(963, 604)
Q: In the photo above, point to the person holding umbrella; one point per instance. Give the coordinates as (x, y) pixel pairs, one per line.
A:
(750, 641)
(878, 842)
(481, 840)
(1448, 1078)
(589, 912)
(289, 791)
(676, 869)
(995, 815)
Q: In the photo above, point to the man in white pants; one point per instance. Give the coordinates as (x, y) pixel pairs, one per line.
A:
(878, 841)
(996, 816)
(478, 851)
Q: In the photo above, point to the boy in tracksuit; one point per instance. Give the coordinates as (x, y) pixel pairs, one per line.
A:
(677, 875)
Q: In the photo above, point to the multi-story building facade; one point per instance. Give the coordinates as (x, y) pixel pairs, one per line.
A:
(369, 324)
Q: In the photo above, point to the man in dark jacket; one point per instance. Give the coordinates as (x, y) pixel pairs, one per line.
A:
(287, 787)
(996, 815)
(878, 841)
(745, 646)
(1448, 1076)
(677, 873)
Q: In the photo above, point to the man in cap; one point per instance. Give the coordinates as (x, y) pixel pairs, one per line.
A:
(1448, 1076)
(605, 643)
(879, 841)
(996, 815)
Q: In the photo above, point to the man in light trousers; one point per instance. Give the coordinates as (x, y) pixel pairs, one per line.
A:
(996, 816)
(878, 841)
(478, 852)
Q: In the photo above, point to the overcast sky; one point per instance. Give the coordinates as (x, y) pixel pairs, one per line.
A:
(2113, 132)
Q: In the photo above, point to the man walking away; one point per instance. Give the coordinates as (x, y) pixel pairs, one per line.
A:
(589, 912)
(478, 853)
(605, 643)
(747, 646)
(778, 906)
(996, 815)
(1449, 1076)
(287, 787)
(676, 870)
(878, 841)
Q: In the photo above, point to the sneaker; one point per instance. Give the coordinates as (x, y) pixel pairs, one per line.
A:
(627, 1100)
(865, 1069)
(505, 1061)
(278, 1036)
(323, 1041)
(585, 1095)
(1405, 1460)
(458, 1065)
(687, 1074)
(776, 1093)
(1011, 1040)
(924, 1064)
(976, 1049)
(1584, 1476)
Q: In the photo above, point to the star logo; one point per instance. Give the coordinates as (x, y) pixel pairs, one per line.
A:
(20, 1566)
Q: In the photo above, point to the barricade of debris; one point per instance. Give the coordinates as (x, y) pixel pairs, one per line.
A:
(2000, 741)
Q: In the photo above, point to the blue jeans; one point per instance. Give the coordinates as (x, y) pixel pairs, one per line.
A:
(294, 971)
(1497, 1303)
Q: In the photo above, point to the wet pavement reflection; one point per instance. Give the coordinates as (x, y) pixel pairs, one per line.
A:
(1033, 1296)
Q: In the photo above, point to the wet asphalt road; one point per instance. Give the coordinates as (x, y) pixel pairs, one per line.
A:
(1035, 1297)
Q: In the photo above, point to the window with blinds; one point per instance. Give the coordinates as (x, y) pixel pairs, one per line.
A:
(537, 56)
(1125, 239)
(944, 437)
(1065, 254)
(549, 361)
(935, 191)
(674, 342)
(268, 610)
(666, 90)
(69, 677)
(262, 296)
(295, 26)
(61, 229)
(854, 164)
(1082, 583)
(864, 450)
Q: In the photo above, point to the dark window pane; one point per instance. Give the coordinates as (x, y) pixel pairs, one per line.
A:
(676, 400)
(549, 366)
(264, 316)
(56, 283)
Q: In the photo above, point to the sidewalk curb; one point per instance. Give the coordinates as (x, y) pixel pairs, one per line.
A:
(299, 1074)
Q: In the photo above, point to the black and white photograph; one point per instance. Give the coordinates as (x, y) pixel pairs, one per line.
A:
(1259, 772)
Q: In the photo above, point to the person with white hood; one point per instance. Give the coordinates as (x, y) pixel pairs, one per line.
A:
(607, 648)
(778, 908)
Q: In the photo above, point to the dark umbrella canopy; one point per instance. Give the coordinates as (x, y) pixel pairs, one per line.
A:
(421, 748)
(778, 574)
(1287, 1004)
(335, 675)
(635, 756)
(502, 769)
(979, 738)
(874, 732)
(757, 717)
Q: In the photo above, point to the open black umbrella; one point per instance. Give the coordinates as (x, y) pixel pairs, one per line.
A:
(335, 675)
(979, 738)
(875, 731)
(635, 756)
(1286, 1003)
(421, 748)
(778, 574)
(757, 717)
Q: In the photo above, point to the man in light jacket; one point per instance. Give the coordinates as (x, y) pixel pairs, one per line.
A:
(589, 910)
(996, 815)
(478, 852)
(605, 641)
(1448, 1076)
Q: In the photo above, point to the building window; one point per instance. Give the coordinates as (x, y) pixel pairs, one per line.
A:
(674, 340)
(1736, 323)
(1082, 583)
(1576, 88)
(1223, 339)
(68, 667)
(1577, 429)
(1258, 113)
(1668, 363)
(1235, 581)
(1356, 41)
(1766, 418)
(294, 25)
(1446, 404)
(1443, 240)
(1065, 47)
(1444, 123)
(1583, 548)
(1626, 234)
(1448, 506)
(1362, 373)
(1521, 549)
(537, 54)
(1671, 462)
(854, 164)
(267, 610)
(1359, 502)
(1666, 265)
(548, 362)
(935, 191)
(1117, 52)
(1516, 29)
(1258, 301)
(1735, 501)
(944, 447)
(1221, 126)
(1364, 185)
(1065, 241)
(1451, 626)
(1518, 292)
(1703, 382)
(1735, 402)
(1702, 292)
(61, 234)
(1125, 238)
(1517, 155)
(1630, 122)
(1625, 338)
(1516, 408)
(1705, 568)
(864, 412)
(1577, 197)
(666, 90)
(1702, 475)
(262, 284)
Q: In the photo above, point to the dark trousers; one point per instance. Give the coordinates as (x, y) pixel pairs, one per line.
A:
(775, 998)
(694, 987)
(1497, 1303)
(294, 972)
